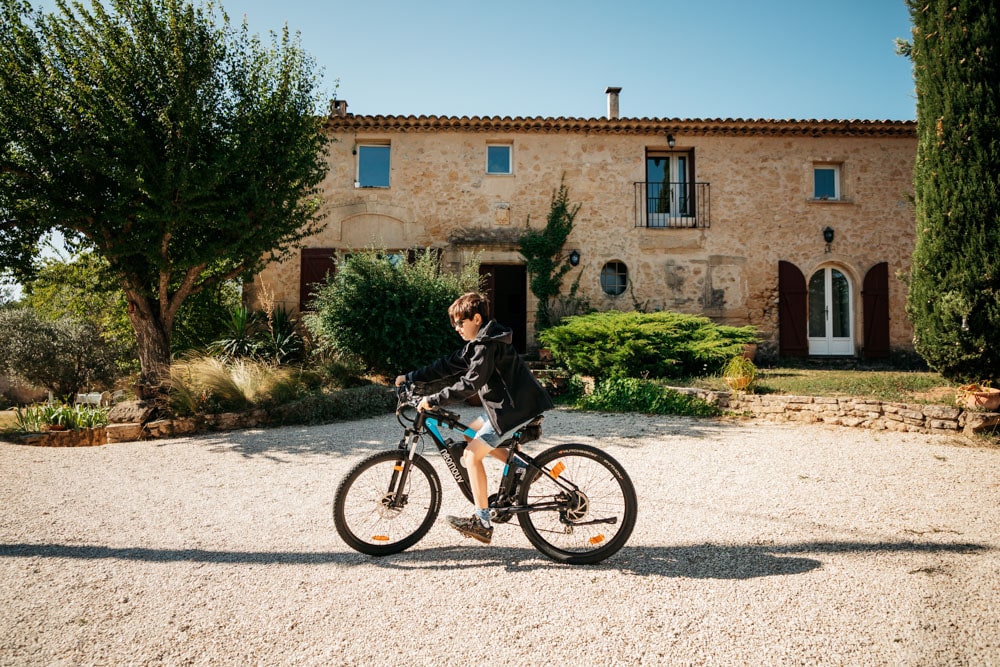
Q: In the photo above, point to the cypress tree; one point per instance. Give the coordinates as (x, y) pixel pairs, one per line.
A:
(954, 284)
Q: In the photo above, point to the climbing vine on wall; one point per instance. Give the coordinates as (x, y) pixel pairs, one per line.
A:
(543, 251)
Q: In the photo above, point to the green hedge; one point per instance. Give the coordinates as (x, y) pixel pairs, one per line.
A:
(644, 396)
(343, 405)
(657, 345)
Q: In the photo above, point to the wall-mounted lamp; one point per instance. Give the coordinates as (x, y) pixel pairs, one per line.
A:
(574, 258)
(828, 236)
(670, 140)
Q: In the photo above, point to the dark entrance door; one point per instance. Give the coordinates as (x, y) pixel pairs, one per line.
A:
(507, 290)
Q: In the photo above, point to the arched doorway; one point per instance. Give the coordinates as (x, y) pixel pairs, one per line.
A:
(831, 313)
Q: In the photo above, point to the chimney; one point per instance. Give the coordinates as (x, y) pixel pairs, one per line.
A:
(338, 108)
(612, 93)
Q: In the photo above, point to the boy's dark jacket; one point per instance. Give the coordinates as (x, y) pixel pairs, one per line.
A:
(490, 366)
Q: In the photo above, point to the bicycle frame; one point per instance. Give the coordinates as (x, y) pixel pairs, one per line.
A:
(432, 422)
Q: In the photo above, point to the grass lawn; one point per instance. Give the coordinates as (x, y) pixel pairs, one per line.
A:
(884, 385)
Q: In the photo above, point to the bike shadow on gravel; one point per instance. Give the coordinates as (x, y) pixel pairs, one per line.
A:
(703, 561)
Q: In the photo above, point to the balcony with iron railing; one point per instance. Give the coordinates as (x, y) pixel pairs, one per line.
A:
(672, 205)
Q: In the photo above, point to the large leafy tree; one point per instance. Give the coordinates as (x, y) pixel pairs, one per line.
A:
(954, 297)
(183, 150)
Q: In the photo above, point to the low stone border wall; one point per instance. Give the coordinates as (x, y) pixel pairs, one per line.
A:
(854, 412)
(161, 428)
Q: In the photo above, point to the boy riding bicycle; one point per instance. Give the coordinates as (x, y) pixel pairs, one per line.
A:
(488, 365)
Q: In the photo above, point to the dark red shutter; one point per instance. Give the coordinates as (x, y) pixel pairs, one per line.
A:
(875, 297)
(316, 264)
(793, 296)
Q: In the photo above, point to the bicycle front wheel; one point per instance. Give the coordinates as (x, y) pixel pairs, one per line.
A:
(583, 505)
(378, 513)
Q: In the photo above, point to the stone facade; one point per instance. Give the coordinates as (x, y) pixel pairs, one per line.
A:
(759, 209)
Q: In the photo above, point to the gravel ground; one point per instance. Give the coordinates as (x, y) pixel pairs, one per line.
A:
(756, 543)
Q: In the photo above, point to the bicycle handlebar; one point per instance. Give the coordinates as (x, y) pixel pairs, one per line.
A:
(407, 397)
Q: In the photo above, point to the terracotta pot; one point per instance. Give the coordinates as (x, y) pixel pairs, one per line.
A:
(980, 398)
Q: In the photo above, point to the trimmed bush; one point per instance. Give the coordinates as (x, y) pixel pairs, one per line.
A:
(654, 345)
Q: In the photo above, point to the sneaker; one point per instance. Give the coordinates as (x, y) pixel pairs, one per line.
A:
(472, 527)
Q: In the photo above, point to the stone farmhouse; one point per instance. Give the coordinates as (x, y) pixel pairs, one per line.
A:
(798, 227)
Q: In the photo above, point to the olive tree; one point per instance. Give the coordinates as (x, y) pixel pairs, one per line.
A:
(181, 149)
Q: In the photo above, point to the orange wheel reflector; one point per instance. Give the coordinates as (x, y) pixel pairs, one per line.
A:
(380, 538)
(597, 539)
(557, 470)
(398, 468)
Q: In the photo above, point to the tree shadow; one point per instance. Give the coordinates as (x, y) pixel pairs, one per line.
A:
(357, 438)
(702, 561)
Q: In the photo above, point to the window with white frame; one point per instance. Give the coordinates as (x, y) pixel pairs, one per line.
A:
(498, 159)
(826, 182)
(373, 166)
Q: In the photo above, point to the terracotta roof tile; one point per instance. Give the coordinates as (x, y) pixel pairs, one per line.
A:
(689, 126)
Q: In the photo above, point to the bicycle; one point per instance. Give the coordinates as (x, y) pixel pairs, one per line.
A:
(574, 503)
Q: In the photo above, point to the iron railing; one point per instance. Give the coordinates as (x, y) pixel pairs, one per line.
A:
(672, 205)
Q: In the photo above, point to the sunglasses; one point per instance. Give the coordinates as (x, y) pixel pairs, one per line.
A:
(458, 323)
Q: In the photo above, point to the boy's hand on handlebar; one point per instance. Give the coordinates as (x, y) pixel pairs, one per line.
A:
(424, 406)
(400, 379)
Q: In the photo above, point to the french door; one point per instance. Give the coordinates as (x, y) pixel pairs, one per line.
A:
(668, 188)
(830, 313)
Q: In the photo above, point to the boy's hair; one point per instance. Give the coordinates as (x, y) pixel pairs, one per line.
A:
(467, 305)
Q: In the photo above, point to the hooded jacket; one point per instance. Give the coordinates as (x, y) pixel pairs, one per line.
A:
(489, 366)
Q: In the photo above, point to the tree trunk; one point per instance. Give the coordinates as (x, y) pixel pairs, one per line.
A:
(153, 341)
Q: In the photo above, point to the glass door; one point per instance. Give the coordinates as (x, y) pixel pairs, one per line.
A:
(830, 312)
(667, 190)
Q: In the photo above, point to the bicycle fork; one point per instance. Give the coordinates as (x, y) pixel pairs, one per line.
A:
(395, 495)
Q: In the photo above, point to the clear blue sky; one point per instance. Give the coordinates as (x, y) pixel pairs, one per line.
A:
(686, 59)
(797, 59)
(779, 59)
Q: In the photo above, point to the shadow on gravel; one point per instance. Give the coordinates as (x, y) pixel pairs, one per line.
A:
(365, 436)
(704, 561)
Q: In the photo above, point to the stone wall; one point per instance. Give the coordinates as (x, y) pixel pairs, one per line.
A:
(854, 412)
(762, 211)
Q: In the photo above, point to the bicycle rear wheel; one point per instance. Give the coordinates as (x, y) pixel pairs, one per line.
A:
(585, 505)
(363, 510)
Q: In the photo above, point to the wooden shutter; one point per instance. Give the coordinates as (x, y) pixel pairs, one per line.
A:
(316, 264)
(875, 298)
(793, 296)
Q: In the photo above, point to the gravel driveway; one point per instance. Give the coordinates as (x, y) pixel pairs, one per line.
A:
(756, 543)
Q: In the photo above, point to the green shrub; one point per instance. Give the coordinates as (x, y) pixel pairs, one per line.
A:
(345, 404)
(390, 314)
(63, 356)
(623, 394)
(656, 345)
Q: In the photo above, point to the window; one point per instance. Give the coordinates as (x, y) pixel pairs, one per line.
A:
(669, 188)
(373, 166)
(614, 278)
(498, 159)
(826, 182)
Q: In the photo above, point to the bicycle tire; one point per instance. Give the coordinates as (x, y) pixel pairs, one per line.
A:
(604, 494)
(360, 512)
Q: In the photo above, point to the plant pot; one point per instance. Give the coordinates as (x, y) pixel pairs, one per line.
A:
(738, 383)
(57, 427)
(975, 397)
(750, 351)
